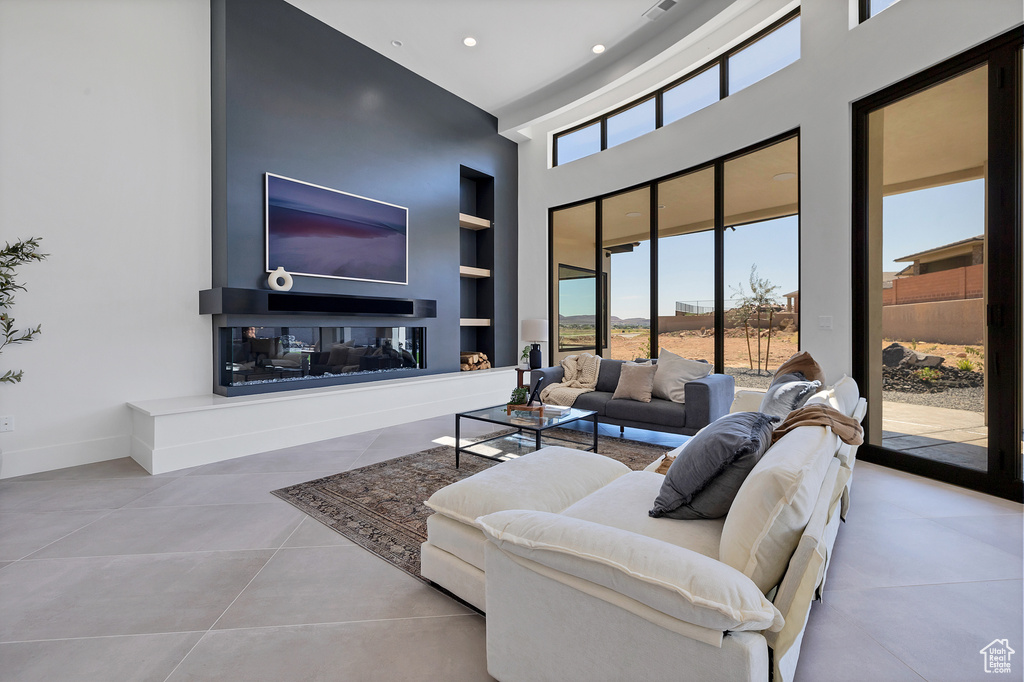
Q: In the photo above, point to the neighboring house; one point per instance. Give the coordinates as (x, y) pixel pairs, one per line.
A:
(961, 254)
(793, 301)
(945, 273)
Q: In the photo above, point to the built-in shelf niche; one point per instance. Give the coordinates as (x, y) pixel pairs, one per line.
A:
(473, 273)
(476, 261)
(472, 222)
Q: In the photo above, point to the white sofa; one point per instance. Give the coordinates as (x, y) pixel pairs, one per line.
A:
(578, 582)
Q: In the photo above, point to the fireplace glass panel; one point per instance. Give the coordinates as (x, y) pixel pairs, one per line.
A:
(278, 354)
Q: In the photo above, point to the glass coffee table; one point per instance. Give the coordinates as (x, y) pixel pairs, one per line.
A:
(529, 427)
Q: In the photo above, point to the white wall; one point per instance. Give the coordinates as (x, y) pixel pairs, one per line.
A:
(105, 154)
(838, 66)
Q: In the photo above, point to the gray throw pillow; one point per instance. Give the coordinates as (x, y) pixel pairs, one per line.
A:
(608, 376)
(673, 373)
(787, 393)
(704, 478)
(636, 382)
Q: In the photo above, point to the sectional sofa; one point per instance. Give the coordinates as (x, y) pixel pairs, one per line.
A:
(578, 582)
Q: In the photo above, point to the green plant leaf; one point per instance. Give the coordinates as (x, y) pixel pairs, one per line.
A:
(12, 256)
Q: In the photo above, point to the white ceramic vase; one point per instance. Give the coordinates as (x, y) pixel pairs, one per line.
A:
(280, 280)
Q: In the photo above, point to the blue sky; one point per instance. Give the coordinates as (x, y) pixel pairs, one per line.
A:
(687, 269)
(914, 221)
(927, 218)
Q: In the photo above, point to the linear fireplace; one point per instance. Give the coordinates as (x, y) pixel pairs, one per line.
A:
(266, 341)
(277, 355)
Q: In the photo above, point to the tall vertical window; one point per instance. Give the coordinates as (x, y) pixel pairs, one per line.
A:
(765, 56)
(626, 258)
(686, 265)
(937, 270)
(574, 294)
(762, 264)
(928, 272)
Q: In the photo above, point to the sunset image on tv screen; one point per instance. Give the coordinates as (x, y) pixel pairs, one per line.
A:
(322, 232)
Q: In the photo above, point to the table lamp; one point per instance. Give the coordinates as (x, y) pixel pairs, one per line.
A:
(535, 331)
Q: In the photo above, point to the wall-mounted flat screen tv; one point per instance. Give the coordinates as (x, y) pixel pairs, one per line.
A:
(322, 232)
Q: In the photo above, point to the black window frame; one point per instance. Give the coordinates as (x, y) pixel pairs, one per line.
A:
(747, 43)
(864, 10)
(722, 61)
(602, 292)
(564, 133)
(688, 77)
(1003, 55)
(623, 109)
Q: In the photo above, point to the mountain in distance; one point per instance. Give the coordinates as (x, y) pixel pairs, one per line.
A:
(615, 321)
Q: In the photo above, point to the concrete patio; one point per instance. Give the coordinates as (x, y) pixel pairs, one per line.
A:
(958, 437)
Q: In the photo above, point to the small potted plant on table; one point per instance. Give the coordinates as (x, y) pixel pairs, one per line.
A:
(518, 399)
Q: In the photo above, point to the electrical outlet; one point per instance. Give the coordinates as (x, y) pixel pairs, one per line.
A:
(6, 424)
(824, 322)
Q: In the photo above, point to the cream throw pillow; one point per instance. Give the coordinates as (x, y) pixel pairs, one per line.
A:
(847, 394)
(673, 373)
(673, 580)
(635, 382)
(843, 396)
(772, 507)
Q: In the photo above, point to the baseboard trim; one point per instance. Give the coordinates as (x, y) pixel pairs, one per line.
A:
(48, 458)
(182, 433)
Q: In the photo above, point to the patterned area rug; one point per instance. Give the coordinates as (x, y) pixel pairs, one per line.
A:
(380, 507)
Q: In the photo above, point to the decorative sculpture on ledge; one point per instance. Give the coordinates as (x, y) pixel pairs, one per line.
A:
(280, 280)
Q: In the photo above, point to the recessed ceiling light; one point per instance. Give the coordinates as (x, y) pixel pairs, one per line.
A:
(396, 43)
(634, 214)
(469, 41)
(781, 177)
(597, 49)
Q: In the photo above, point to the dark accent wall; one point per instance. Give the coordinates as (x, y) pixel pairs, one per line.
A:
(295, 97)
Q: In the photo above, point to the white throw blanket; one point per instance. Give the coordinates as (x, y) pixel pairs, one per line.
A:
(580, 377)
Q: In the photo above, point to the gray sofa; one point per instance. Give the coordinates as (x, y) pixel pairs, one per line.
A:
(707, 399)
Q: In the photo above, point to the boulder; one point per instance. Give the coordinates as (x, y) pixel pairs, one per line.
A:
(894, 353)
(898, 355)
(922, 360)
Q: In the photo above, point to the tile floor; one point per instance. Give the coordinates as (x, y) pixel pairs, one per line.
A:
(107, 573)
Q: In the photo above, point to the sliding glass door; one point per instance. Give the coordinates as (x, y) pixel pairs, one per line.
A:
(574, 280)
(937, 271)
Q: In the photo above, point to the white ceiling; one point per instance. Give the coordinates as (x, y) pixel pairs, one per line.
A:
(522, 45)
